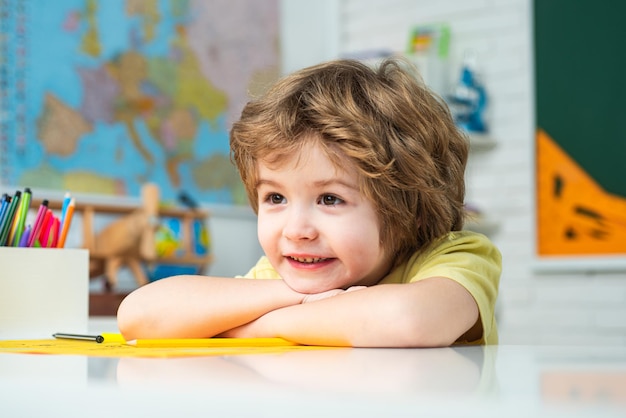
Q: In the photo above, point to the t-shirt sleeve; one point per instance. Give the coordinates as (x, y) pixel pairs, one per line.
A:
(474, 262)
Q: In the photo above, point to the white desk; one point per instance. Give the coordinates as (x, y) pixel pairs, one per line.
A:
(492, 381)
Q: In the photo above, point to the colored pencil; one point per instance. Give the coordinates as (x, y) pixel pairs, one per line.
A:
(65, 226)
(211, 342)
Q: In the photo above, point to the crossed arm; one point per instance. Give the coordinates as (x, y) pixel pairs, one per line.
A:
(429, 313)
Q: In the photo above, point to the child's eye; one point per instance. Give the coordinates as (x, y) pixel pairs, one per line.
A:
(330, 200)
(275, 199)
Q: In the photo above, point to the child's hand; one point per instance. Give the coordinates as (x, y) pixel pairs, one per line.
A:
(329, 293)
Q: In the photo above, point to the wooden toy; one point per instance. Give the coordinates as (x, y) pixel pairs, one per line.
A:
(127, 241)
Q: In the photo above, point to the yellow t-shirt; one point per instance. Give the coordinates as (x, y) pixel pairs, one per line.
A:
(466, 257)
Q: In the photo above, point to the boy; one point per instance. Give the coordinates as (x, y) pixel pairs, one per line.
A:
(357, 178)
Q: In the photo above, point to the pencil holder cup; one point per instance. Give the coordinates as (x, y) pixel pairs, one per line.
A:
(43, 291)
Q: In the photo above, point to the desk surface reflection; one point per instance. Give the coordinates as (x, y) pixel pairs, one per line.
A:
(487, 381)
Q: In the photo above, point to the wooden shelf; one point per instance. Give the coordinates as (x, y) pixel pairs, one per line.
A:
(119, 243)
(117, 209)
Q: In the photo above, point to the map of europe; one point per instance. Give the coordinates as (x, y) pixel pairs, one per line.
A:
(102, 96)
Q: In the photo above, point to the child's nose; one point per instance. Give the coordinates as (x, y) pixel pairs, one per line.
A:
(299, 226)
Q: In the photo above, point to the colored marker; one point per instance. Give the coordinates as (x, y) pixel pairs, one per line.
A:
(6, 200)
(25, 237)
(13, 226)
(8, 217)
(45, 228)
(41, 213)
(21, 218)
(54, 233)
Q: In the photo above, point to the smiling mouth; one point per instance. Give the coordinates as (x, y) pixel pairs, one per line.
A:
(309, 260)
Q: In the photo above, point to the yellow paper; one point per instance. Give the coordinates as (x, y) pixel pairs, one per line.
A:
(119, 349)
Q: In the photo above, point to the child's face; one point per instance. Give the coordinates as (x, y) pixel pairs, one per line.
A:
(314, 225)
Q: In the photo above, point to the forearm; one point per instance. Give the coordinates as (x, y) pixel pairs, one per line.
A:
(198, 306)
(428, 314)
(347, 319)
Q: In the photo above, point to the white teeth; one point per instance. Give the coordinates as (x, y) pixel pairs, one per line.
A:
(307, 260)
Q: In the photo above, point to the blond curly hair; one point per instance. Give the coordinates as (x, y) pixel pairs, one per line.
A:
(409, 154)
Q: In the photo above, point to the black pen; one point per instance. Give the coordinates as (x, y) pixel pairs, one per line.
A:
(82, 337)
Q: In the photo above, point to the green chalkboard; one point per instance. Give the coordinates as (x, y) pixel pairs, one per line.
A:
(580, 70)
